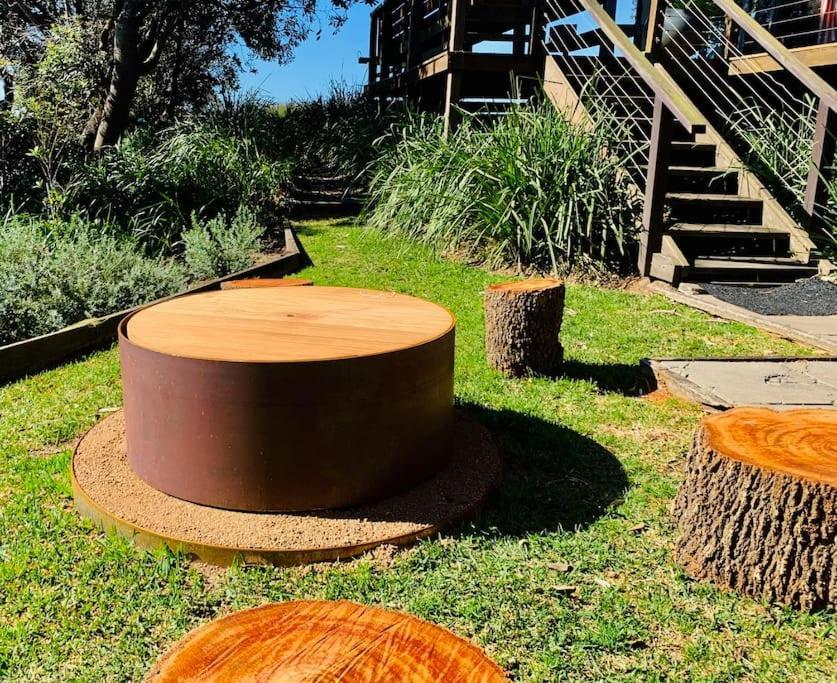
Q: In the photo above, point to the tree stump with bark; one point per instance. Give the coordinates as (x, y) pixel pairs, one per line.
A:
(522, 327)
(757, 511)
(324, 641)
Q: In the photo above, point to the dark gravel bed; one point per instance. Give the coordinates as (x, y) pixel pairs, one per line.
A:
(806, 297)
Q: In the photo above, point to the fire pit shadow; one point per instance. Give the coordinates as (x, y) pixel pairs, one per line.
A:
(554, 478)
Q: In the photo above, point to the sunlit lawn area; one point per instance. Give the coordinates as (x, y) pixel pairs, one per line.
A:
(566, 575)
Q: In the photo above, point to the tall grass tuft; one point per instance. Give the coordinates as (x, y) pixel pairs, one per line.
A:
(530, 190)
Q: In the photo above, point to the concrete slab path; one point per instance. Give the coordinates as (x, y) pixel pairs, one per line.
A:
(773, 383)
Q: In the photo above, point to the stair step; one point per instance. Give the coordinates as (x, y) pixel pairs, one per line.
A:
(753, 269)
(686, 153)
(702, 207)
(730, 230)
(711, 179)
(716, 199)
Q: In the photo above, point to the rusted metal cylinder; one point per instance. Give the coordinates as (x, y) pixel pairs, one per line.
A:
(287, 436)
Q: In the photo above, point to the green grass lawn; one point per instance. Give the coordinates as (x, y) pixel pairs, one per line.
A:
(567, 574)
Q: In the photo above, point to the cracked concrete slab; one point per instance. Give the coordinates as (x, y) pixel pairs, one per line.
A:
(774, 383)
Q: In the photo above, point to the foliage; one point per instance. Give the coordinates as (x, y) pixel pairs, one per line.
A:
(566, 575)
(528, 190)
(53, 275)
(18, 170)
(218, 246)
(149, 58)
(151, 184)
(335, 132)
(780, 148)
(59, 90)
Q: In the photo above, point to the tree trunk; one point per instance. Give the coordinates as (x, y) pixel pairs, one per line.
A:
(127, 69)
(8, 92)
(758, 508)
(522, 324)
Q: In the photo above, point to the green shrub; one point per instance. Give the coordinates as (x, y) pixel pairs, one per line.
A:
(218, 246)
(151, 184)
(18, 170)
(53, 275)
(529, 190)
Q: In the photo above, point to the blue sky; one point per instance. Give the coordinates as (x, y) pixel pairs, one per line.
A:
(316, 62)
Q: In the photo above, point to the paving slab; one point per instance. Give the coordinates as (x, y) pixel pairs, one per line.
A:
(780, 383)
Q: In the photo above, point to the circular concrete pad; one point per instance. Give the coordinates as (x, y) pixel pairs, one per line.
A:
(318, 640)
(108, 491)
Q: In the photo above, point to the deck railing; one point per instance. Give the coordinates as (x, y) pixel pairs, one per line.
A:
(404, 33)
(599, 70)
(781, 121)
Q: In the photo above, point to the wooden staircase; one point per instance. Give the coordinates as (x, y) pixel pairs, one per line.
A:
(716, 225)
(707, 218)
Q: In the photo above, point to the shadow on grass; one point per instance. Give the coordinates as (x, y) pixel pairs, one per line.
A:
(619, 378)
(553, 478)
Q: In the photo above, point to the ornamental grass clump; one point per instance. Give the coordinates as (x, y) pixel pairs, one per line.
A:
(530, 190)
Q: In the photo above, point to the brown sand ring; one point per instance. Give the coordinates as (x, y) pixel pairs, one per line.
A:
(323, 641)
(109, 492)
(295, 398)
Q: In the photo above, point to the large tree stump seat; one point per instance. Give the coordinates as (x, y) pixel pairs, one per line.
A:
(324, 641)
(522, 326)
(757, 511)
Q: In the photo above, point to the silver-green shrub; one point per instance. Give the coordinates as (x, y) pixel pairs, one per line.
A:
(55, 274)
(220, 246)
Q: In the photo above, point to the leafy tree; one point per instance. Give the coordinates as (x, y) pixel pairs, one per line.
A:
(187, 46)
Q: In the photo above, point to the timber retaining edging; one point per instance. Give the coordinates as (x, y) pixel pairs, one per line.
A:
(40, 353)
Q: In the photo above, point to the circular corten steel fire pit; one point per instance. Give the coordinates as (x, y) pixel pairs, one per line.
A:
(288, 399)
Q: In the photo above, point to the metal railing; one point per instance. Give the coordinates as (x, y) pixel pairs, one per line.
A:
(609, 77)
(781, 122)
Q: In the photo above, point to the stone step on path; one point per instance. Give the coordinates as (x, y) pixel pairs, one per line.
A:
(778, 383)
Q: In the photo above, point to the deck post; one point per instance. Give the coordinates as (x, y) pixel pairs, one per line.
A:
(822, 157)
(659, 153)
(374, 43)
(456, 41)
(654, 32)
(536, 26)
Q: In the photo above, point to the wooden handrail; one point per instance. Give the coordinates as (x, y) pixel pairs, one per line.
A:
(783, 56)
(682, 109)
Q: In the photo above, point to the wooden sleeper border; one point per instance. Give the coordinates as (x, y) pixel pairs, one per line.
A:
(40, 353)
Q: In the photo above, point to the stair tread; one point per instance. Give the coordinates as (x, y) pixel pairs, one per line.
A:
(689, 144)
(725, 228)
(751, 263)
(719, 170)
(716, 198)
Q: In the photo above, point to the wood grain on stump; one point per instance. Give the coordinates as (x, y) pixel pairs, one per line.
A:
(267, 282)
(323, 641)
(522, 324)
(758, 508)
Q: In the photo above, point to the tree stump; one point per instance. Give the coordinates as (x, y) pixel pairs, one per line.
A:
(323, 641)
(522, 326)
(758, 508)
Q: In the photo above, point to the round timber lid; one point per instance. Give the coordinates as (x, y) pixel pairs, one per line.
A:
(288, 324)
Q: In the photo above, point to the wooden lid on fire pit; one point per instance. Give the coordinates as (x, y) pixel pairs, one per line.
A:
(288, 324)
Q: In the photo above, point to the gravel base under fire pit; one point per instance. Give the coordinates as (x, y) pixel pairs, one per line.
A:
(806, 297)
